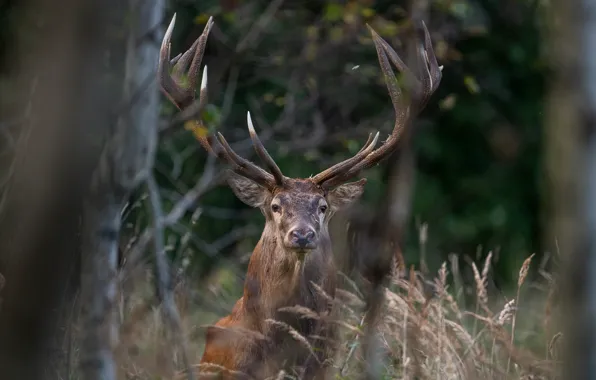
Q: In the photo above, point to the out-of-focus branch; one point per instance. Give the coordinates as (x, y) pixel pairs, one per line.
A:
(135, 254)
(383, 233)
(125, 162)
(163, 287)
(402, 171)
(259, 26)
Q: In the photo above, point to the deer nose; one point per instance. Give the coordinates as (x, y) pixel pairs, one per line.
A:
(302, 236)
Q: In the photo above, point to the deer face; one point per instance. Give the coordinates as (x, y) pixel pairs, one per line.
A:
(299, 211)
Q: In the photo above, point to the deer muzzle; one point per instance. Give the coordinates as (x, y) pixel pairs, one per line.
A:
(302, 239)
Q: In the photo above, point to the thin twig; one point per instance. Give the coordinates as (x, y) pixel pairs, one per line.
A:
(260, 25)
(135, 254)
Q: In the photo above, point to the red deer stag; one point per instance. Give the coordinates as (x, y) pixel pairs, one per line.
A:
(294, 251)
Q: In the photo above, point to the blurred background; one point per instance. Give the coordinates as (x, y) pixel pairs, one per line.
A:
(477, 145)
(308, 72)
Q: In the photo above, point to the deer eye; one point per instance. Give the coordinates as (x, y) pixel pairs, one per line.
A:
(323, 208)
(275, 208)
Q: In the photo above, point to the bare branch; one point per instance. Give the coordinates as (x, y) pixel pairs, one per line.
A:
(162, 277)
(135, 254)
(259, 26)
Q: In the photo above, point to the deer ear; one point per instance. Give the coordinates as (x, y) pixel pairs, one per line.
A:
(247, 190)
(346, 194)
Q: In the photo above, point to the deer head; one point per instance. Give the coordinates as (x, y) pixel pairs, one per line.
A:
(300, 209)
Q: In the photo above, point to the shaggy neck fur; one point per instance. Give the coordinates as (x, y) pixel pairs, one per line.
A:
(277, 278)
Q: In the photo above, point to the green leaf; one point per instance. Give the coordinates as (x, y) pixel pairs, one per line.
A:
(367, 12)
(201, 18)
(333, 12)
(471, 84)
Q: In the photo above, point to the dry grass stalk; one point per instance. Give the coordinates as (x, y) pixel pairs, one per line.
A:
(481, 291)
(486, 268)
(348, 298)
(506, 314)
(294, 334)
(304, 312)
(523, 273)
(554, 345)
(421, 336)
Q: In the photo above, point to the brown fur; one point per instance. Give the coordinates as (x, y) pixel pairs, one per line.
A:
(279, 277)
(297, 212)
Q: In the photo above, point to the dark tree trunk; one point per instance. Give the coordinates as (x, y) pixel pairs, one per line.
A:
(76, 88)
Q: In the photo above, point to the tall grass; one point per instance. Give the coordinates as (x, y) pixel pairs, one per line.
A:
(425, 331)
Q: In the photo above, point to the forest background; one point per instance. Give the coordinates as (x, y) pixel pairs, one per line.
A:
(308, 73)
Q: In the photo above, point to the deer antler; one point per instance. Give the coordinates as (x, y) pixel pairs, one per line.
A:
(183, 95)
(420, 92)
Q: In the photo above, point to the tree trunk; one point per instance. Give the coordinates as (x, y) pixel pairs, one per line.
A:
(39, 231)
(125, 162)
(76, 67)
(571, 175)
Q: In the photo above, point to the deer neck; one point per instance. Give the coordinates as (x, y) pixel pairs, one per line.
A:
(277, 277)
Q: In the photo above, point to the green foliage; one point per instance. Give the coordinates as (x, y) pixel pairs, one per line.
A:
(477, 143)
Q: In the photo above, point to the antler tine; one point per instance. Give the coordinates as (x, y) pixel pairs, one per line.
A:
(328, 173)
(434, 70)
(420, 92)
(246, 168)
(410, 79)
(400, 105)
(181, 94)
(184, 95)
(199, 50)
(197, 126)
(368, 140)
(335, 174)
(222, 149)
(182, 61)
(263, 154)
(194, 54)
(349, 163)
(175, 59)
(169, 87)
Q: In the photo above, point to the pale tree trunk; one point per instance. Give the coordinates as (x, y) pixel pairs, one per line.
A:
(126, 162)
(571, 175)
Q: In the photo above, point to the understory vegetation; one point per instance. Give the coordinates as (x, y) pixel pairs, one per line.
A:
(432, 325)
